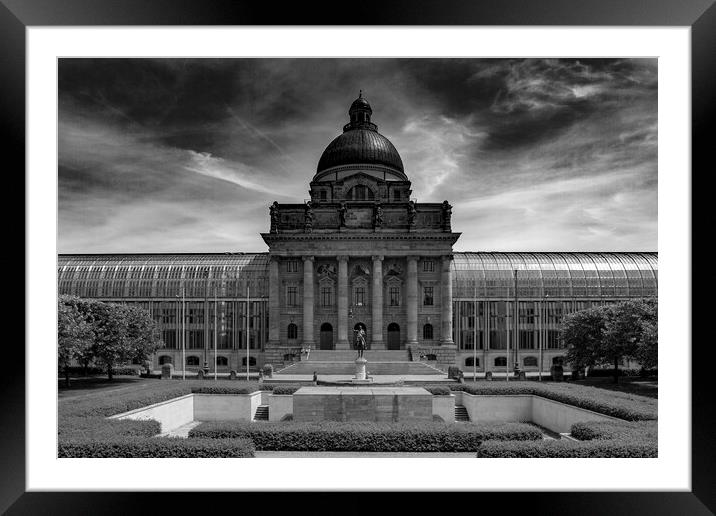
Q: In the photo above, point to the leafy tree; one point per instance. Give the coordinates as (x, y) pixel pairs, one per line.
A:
(609, 334)
(121, 332)
(74, 334)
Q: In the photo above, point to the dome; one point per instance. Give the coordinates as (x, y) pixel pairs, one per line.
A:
(360, 143)
(360, 147)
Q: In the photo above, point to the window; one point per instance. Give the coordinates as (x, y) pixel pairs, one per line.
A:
(553, 339)
(470, 361)
(359, 296)
(360, 193)
(326, 296)
(530, 361)
(222, 361)
(428, 296)
(292, 266)
(501, 362)
(292, 331)
(252, 361)
(394, 293)
(428, 332)
(558, 361)
(291, 296)
(165, 359)
(527, 339)
(192, 361)
(428, 266)
(396, 195)
(324, 195)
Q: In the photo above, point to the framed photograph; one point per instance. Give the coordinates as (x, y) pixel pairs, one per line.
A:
(445, 148)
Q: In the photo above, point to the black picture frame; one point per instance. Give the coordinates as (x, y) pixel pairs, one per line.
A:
(17, 15)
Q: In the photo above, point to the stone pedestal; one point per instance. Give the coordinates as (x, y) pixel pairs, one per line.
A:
(360, 369)
(167, 370)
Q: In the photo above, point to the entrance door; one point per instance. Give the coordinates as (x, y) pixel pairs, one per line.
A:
(393, 336)
(326, 336)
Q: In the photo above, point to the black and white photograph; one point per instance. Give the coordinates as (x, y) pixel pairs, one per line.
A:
(357, 257)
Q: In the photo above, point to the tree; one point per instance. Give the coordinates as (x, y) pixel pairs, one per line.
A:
(74, 334)
(123, 333)
(609, 334)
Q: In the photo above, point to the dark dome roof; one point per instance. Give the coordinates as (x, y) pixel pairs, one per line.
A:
(360, 147)
(360, 103)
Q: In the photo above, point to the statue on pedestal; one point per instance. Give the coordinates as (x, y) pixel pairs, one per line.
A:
(273, 210)
(447, 214)
(308, 218)
(378, 222)
(412, 213)
(342, 214)
(360, 341)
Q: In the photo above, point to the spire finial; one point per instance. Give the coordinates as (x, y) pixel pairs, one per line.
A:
(360, 94)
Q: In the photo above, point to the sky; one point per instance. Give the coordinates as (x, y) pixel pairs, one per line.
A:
(186, 155)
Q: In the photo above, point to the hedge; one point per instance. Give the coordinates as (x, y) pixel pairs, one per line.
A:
(102, 428)
(365, 436)
(155, 447)
(285, 389)
(617, 404)
(608, 373)
(438, 390)
(94, 371)
(245, 389)
(567, 449)
(607, 430)
(107, 404)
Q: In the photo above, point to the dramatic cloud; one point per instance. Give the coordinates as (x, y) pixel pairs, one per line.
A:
(185, 155)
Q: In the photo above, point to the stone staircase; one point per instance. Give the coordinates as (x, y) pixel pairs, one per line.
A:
(349, 355)
(461, 414)
(348, 368)
(262, 413)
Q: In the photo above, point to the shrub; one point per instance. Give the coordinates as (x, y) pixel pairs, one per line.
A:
(218, 389)
(102, 428)
(438, 390)
(366, 436)
(285, 389)
(454, 372)
(95, 371)
(617, 404)
(606, 430)
(566, 449)
(155, 447)
(268, 370)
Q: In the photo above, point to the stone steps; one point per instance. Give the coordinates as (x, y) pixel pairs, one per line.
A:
(461, 413)
(262, 413)
(349, 368)
(349, 355)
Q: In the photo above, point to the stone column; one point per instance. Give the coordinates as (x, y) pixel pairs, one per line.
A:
(446, 301)
(274, 302)
(377, 304)
(308, 301)
(342, 341)
(412, 301)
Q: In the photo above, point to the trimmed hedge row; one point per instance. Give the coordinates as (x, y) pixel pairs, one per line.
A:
(107, 404)
(360, 436)
(285, 389)
(95, 371)
(438, 390)
(155, 447)
(244, 389)
(645, 431)
(567, 449)
(618, 404)
(102, 428)
(608, 373)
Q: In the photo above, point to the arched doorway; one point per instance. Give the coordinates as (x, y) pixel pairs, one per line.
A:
(326, 341)
(393, 336)
(354, 341)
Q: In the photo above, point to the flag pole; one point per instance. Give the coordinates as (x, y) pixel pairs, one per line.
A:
(474, 337)
(216, 306)
(247, 330)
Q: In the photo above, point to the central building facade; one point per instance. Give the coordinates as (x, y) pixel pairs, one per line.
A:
(360, 253)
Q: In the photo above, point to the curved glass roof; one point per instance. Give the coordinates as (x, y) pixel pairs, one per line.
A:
(554, 275)
(481, 275)
(163, 275)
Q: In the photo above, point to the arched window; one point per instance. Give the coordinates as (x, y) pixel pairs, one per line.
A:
(501, 362)
(530, 361)
(428, 332)
(292, 331)
(192, 361)
(558, 361)
(252, 361)
(324, 195)
(222, 361)
(360, 193)
(469, 361)
(165, 359)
